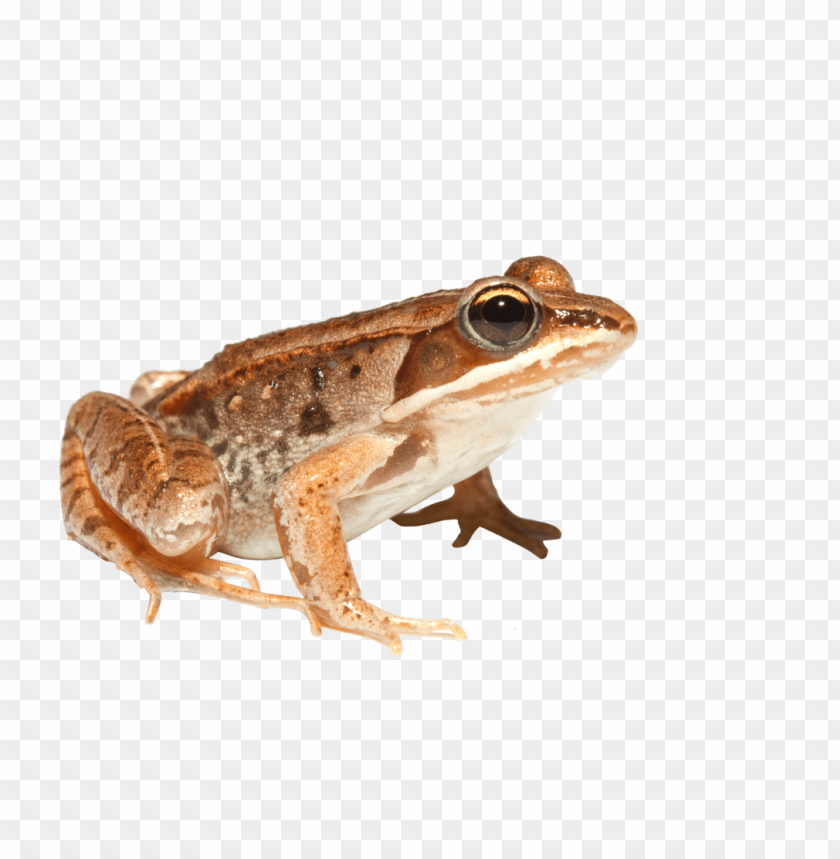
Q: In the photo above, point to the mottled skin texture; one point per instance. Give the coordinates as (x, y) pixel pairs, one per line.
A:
(292, 443)
(261, 419)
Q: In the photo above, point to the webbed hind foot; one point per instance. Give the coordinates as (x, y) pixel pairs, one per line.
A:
(476, 504)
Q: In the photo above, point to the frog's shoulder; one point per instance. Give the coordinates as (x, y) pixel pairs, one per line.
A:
(239, 362)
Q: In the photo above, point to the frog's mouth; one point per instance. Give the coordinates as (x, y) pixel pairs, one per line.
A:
(523, 375)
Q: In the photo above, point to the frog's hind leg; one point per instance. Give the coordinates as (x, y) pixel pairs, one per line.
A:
(155, 507)
(225, 570)
(153, 383)
(476, 504)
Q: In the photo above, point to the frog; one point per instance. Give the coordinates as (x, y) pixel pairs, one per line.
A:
(290, 444)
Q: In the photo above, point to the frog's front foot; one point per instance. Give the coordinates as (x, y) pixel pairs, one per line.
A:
(311, 535)
(443, 628)
(476, 504)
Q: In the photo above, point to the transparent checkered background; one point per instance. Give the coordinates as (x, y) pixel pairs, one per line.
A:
(666, 683)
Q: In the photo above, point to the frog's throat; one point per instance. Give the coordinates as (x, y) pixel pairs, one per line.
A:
(526, 373)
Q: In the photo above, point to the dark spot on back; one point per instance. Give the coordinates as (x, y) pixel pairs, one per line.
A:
(243, 479)
(354, 371)
(230, 465)
(210, 418)
(315, 420)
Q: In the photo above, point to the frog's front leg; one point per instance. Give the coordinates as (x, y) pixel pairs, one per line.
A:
(476, 504)
(154, 506)
(306, 512)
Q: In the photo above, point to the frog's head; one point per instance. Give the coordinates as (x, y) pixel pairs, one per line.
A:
(599, 328)
(512, 336)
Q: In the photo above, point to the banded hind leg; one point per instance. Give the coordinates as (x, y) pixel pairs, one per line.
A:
(156, 507)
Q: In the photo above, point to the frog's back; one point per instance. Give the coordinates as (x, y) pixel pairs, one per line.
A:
(267, 403)
(313, 344)
(402, 317)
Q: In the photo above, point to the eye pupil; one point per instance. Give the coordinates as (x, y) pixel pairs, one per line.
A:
(501, 316)
(503, 310)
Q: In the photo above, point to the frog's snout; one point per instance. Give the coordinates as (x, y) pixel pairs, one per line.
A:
(627, 325)
(616, 318)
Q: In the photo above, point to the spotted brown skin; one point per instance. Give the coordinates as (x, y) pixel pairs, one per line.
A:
(290, 444)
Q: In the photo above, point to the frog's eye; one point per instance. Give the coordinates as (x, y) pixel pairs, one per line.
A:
(500, 317)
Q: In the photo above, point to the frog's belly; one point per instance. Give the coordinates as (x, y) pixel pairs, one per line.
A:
(461, 446)
(462, 443)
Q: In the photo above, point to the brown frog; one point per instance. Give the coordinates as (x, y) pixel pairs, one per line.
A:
(292, 443)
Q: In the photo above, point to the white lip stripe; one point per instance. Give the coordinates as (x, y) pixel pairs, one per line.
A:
(488, 372)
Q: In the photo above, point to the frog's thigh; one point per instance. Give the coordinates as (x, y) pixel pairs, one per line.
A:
(310, 532)
(173, 491)
(136, 499)
(97, 527)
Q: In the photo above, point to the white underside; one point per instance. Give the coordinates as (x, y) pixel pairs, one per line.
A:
(462, 444)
